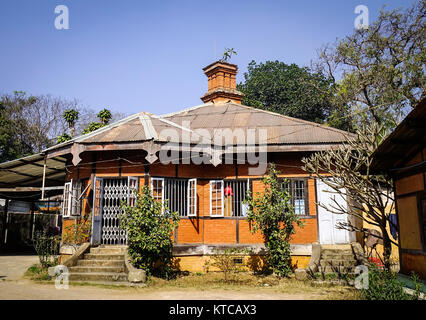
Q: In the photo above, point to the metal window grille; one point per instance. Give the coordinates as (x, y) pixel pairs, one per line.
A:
(176, 194)
(297, 189)
(235, 193)
(115, 191)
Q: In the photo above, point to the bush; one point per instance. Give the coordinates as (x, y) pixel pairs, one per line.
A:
(272, 214)
(226, 261)
(77, 233)
(150, 225)
(384, 285)
(47, 248)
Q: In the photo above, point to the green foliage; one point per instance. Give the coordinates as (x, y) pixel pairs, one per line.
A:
(18, 137)
(93, 126)
(225, 261)
(47, 248)
(71, 116)
(227, 54)
(38, 273)
(149, 225)
(271, 212)
(63, 138)
(384, 285)
(378, 72)
(105, 116)
(287, 89)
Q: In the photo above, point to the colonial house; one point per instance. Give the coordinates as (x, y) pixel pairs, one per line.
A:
(202, 160)
(402, 155)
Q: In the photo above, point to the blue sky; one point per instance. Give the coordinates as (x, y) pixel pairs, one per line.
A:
(133, 56)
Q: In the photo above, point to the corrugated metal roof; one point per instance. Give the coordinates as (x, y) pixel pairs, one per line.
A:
(204, 121)
(28, 171)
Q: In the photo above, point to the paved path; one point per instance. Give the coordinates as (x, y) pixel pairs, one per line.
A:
(12, 267)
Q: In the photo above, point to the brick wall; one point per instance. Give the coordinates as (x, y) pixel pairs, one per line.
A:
(203, 229)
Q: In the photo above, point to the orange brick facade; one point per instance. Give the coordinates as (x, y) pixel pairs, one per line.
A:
(202, 229)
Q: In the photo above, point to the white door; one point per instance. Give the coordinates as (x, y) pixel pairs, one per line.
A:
(328, 233)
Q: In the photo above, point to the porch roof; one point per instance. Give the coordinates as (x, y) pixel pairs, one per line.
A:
(24, 176)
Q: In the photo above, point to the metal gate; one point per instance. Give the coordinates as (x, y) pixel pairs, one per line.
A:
(115, 191)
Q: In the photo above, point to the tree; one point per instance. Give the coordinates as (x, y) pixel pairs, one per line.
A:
(272, 214)
(71, 116)
(381, 69)
(105, 116)
(149, 225)
(346, 170)
(287, 89)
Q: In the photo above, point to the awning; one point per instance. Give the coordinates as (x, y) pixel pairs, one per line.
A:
(24, 176)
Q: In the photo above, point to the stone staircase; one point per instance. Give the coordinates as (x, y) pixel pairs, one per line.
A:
(104, 264)
(337, 259)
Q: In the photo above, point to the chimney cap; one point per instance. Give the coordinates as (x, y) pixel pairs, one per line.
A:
(220, 63)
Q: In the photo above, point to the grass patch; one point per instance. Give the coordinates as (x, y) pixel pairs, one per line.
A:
(37, 273)
(247, 281)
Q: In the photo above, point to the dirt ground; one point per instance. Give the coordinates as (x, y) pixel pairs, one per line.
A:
(28, 290)
(14, 287)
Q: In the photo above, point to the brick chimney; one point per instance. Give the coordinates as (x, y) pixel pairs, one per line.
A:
(222, 83)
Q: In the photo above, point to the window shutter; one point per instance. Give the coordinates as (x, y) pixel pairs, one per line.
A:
(157, 190)
(66, 203)
(133, 186)
(192, 198)
(216, 198)
(75, 198)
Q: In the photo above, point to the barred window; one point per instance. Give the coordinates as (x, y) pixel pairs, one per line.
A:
(297, 188)
(180, 194)
(227, 196)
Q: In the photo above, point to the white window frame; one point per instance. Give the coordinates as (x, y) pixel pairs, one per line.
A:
(211, 199)
(190, 213)
(162, 190)
(67, 198)
(131, 193)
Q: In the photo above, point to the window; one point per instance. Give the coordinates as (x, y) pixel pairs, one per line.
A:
(192, 197)
(71, 205)
(176, 194)
(216, 198)
(297, 188)
(227, 196)
(180, 194)
(67, 200)
(157, 188)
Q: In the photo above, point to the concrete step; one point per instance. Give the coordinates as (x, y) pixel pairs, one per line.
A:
(95, 269)
(98, 276)
(336, 251)
(346, 263)
(108, 250)
(347, 257)
(100, 263)
(101, 256)
(329, 269)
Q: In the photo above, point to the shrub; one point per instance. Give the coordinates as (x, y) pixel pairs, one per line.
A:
(47, 248)
(149, 225)
(77, 233)
(384, 285)
(226, 261)
(273, 214)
